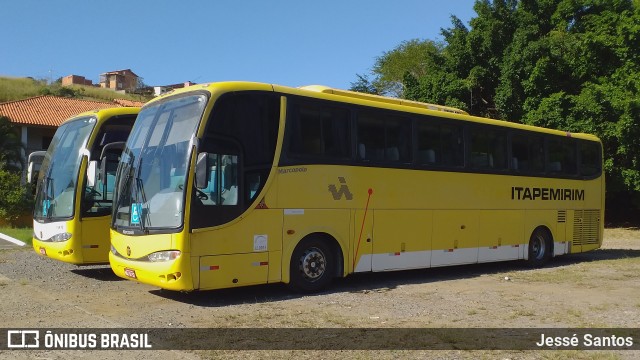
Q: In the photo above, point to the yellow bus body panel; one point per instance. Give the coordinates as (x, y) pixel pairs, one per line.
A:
(133, 250)
(256, 240)
(69, 251)
(434, 218)
(95, 239)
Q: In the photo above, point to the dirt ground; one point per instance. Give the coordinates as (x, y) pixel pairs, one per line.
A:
(599, 289)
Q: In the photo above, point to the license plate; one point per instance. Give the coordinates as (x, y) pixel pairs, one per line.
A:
(43, 251)
(130, 273)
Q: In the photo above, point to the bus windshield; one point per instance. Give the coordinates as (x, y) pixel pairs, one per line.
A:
(55, 196)
(153, 167)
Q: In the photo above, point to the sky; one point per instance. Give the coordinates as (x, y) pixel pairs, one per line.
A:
(284, 42)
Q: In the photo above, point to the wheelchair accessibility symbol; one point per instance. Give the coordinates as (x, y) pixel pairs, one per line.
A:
(136, 210)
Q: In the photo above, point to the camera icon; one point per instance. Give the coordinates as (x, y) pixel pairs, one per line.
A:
(23, 339)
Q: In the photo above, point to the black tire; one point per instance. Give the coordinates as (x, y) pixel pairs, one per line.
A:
(539, 248)
(312, 265)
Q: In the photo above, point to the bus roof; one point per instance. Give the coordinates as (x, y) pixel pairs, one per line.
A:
(105, 113)
(383, 99)
(351, 97)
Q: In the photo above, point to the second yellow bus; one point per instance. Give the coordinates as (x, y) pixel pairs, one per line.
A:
(75, 186)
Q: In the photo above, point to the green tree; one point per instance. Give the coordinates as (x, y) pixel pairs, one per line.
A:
(364, 85)
(11, 148)
(466, 71)
(572, 65)
(412, 57)
(581, 74)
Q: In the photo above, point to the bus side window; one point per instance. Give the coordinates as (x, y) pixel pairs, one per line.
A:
(371, 138)
(229, 194)
(319, 132)
(222, 181)
(452, 145)
(527, 154)
(590, 158)
(488, 149)
(429, 144)
(562, 157)
(384, 138)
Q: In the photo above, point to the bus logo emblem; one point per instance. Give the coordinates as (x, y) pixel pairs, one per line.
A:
(344, 190)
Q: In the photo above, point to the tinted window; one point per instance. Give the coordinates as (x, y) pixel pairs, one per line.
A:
(319, 131)
(590, 159)
(562, 158)
(384, 137)
(488, 149)
(440, 144)
(527, 153)
(97, 199)
(239, 143)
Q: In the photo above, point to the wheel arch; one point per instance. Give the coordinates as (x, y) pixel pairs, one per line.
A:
(548, 244)
(550, 233)
(337, 251)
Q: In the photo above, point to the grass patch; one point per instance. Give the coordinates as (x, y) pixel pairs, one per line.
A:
(586, 274)
(22, 234)
(21, 88)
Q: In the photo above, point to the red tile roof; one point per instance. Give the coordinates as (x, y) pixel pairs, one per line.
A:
(49, 110)
(125, 102)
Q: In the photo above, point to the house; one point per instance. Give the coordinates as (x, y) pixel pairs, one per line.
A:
(159, 90)
(37, 118)
(119, 80)
(76, 80)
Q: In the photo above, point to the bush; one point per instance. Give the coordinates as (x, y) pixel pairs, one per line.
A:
(15, 198)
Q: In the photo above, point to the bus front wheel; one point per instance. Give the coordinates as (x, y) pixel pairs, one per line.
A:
(539, 248)
(311, 265)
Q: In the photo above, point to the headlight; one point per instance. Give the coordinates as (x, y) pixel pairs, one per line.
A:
(164, 255)
(60, 237)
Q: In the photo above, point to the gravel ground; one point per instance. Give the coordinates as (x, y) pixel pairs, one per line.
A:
(596, 289)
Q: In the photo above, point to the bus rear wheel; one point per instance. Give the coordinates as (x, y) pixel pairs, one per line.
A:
(311, 265)
(539, 248)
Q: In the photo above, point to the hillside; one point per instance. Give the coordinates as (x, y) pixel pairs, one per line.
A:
(21, 88)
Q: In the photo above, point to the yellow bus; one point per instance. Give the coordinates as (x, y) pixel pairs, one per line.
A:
(235, 183)
(72, 210)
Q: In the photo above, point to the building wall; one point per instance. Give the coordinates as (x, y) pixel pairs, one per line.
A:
(38, 138)
(121, 80)
(76, 80)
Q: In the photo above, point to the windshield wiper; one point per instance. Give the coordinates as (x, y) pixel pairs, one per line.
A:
(140, 191)
(48, 196)
(126, 170)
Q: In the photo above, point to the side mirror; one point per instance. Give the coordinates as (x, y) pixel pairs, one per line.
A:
(33, 165)
(202, 170)
(91, 173)
(31, 172)
(102, 176)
